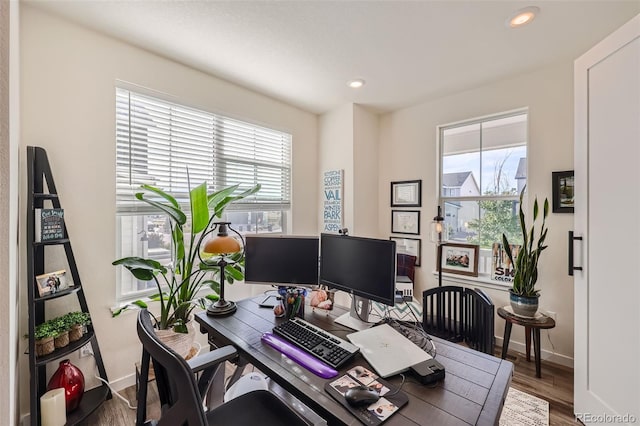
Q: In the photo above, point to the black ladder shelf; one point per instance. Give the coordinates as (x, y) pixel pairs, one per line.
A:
(39, 173)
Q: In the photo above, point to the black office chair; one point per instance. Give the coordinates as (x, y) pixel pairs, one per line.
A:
(443, 312)
(479, 333)
(181, 399)
(459, 314)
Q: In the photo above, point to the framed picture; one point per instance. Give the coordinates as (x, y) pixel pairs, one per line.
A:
(52, 282)
(563, 191)
(406, 193)
(405, 222)
(410, 246)
(501, 267)
(460, 259)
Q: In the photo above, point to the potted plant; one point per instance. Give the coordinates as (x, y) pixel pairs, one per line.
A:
(62, 337)
(76, 323)
(44, 334)
(179, 282)
(523, 294)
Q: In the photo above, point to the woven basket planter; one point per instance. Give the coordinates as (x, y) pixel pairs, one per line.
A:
(45, 346)
(61, 340)
(76, 332)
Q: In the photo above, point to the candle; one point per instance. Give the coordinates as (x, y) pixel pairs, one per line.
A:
(52, 408)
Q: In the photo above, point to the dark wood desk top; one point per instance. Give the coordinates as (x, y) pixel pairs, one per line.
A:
(541, 321)
(472, 393)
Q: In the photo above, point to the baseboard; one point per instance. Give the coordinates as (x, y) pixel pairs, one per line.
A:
(545, 354)
(123, 382)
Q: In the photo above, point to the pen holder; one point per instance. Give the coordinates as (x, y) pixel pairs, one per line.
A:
(293, 301)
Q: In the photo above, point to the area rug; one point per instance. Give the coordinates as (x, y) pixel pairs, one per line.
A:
(522, 409)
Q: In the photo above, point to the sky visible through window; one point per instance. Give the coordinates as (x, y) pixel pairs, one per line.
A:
(490, 158)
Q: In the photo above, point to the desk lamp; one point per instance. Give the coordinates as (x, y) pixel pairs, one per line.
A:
(437, 231)
(220, 247)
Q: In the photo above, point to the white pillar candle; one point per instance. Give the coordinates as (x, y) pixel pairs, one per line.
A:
(52, 408)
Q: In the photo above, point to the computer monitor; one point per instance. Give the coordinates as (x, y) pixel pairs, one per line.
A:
(282, 260)
(364, 267)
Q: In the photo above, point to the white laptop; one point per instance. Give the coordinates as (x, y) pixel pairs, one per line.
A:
(388, 351)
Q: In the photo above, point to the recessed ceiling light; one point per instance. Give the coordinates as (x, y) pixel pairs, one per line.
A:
(522, 17)
(355, 84)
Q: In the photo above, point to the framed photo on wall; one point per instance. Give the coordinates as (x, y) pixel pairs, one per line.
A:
(460, 259)
(406, 193)
(410, 246)
(563, 191)
(405, 222)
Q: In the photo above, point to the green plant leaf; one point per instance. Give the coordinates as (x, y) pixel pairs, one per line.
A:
(142, 269)
(199, 208)
(174, 212)
(163, 194)
(230, 271)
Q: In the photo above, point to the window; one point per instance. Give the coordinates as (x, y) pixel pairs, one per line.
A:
(483, 166)
(161, 143)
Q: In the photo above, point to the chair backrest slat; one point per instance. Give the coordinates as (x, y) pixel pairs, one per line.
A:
(459, 314)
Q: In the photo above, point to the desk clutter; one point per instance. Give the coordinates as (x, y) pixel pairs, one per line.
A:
(290, 302)
(388, 401)
(451, 404)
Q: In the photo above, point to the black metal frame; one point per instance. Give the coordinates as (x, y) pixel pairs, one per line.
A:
(39, 173)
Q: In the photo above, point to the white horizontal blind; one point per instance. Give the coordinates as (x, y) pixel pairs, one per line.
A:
(159, 142)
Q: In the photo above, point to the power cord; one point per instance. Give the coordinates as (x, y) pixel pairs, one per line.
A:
(399, 387)
(113, 391)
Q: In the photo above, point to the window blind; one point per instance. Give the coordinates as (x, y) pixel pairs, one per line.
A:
(165, 144)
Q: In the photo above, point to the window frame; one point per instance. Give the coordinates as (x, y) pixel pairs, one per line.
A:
(483, 278)
(127, 208)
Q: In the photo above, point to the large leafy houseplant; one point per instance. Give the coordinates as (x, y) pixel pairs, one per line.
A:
(526, 260)
(178, 283)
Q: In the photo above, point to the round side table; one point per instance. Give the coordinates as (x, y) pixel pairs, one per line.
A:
(531, 325)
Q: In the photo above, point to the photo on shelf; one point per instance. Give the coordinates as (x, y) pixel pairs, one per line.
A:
(460, 259)
(52, 282)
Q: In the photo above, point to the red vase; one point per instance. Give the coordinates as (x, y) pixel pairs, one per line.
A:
(69, 377)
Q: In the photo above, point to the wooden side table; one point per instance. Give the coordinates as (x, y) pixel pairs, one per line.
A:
(531, 325)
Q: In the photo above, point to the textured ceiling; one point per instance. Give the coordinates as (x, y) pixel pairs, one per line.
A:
(303, 52)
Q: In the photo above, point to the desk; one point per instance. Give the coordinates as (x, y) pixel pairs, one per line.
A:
(531, 325)
(472, 393)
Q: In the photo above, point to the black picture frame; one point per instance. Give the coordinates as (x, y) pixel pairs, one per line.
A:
(405, 222)
(406, 193)
(563, 191)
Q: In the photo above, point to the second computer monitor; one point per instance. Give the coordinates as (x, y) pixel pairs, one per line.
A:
(364, 267)
(284, 260)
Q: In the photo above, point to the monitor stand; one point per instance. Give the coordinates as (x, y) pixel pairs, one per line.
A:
(357, 318)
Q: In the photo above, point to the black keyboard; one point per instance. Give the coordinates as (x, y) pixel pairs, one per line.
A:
(324, 346)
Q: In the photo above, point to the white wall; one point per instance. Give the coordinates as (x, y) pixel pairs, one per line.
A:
(68, 107)
(365, 142)
(9, 138)
(348, 140)
(336, 151)
(408, 151)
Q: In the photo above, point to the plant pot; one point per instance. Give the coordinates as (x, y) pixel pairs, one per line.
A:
(76, 332)
(45, 346)
(181, 343)
(524, 306)
(61, 340)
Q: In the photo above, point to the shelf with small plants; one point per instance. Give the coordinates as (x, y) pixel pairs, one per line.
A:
(54, 338)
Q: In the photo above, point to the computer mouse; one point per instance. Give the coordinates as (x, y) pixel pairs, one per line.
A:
(361, 395)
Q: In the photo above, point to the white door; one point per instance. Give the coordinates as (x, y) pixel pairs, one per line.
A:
(607, 217)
